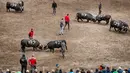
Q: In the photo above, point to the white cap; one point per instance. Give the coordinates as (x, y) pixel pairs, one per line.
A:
(7, 70)
(27, 70)
(119, 68)
(123, 72)
(36, 70)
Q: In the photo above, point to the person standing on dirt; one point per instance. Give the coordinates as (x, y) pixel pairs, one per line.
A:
(67, 21)
(61, 26)
(23, 62)
(54, 6)
(32, 63)
(31, 34)
(100, 7)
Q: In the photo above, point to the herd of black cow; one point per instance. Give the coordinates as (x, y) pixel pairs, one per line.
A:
(118, 25)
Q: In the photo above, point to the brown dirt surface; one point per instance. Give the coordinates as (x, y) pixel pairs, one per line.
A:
(89, 44)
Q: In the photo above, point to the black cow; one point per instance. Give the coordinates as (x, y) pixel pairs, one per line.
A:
(16, 6)
(87, 16)
(120, 25)
(106, 18)
(30, 43)
(56, 44)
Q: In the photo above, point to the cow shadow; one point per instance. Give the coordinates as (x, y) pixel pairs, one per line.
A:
(121, 33)
(31, 49)
(102, 23)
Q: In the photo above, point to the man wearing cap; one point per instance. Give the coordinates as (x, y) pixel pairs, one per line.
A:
(32, 62)
(23, 62)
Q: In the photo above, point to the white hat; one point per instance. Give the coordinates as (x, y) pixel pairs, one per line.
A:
(53, 70)
(7, 70)
(119, 68)
(123, 72)
(36, 70)
(27, 70)
(91, 71)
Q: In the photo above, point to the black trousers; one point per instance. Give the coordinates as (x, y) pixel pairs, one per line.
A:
(67, 23)
(100, 11)
(23, 69)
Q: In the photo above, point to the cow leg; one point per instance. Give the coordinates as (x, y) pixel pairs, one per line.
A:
(126, 30)
(23, 49)
(87, 20)
(119, 30)
(107, 21)
(115, 29)
(110, 28)
(34, 48)
(99, 21)
(82, 20)
(66, 48)
(52, 50)
(78, 19)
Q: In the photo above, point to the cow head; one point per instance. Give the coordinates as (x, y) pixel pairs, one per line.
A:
(45, 47)
(40, 46)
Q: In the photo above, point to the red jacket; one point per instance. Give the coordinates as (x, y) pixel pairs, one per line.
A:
(67, 19)
(32, 61)
(31, 33)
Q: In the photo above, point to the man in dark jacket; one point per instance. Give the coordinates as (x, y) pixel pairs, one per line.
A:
(100, 7)
(23, 62)
(54, 6)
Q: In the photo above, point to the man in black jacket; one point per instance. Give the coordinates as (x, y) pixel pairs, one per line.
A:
(100, 7)
(23, 62)
(54, 6)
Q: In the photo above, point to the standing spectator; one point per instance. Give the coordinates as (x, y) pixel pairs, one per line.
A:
(126, 70)
(8, 71)
(71, 71)
(96, 71)
(129, 70)
(23, 62)
(100, 7)
(67, 21)
(60, 71)
(82, 71)
(54, 6)
(108, 70)
(40, 72)
(31, 34)
(32, 63)
(88, 71)
(61, 27)
(115, 71)
(77, 71)
(1, 71)
(119, 70)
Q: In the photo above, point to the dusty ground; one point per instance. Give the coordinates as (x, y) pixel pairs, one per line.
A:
(89, 44)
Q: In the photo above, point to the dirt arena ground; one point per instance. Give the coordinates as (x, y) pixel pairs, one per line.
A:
(89, 44)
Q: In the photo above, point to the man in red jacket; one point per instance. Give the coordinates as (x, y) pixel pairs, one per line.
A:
(32, 62)
(31, 33)
(67, 21)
